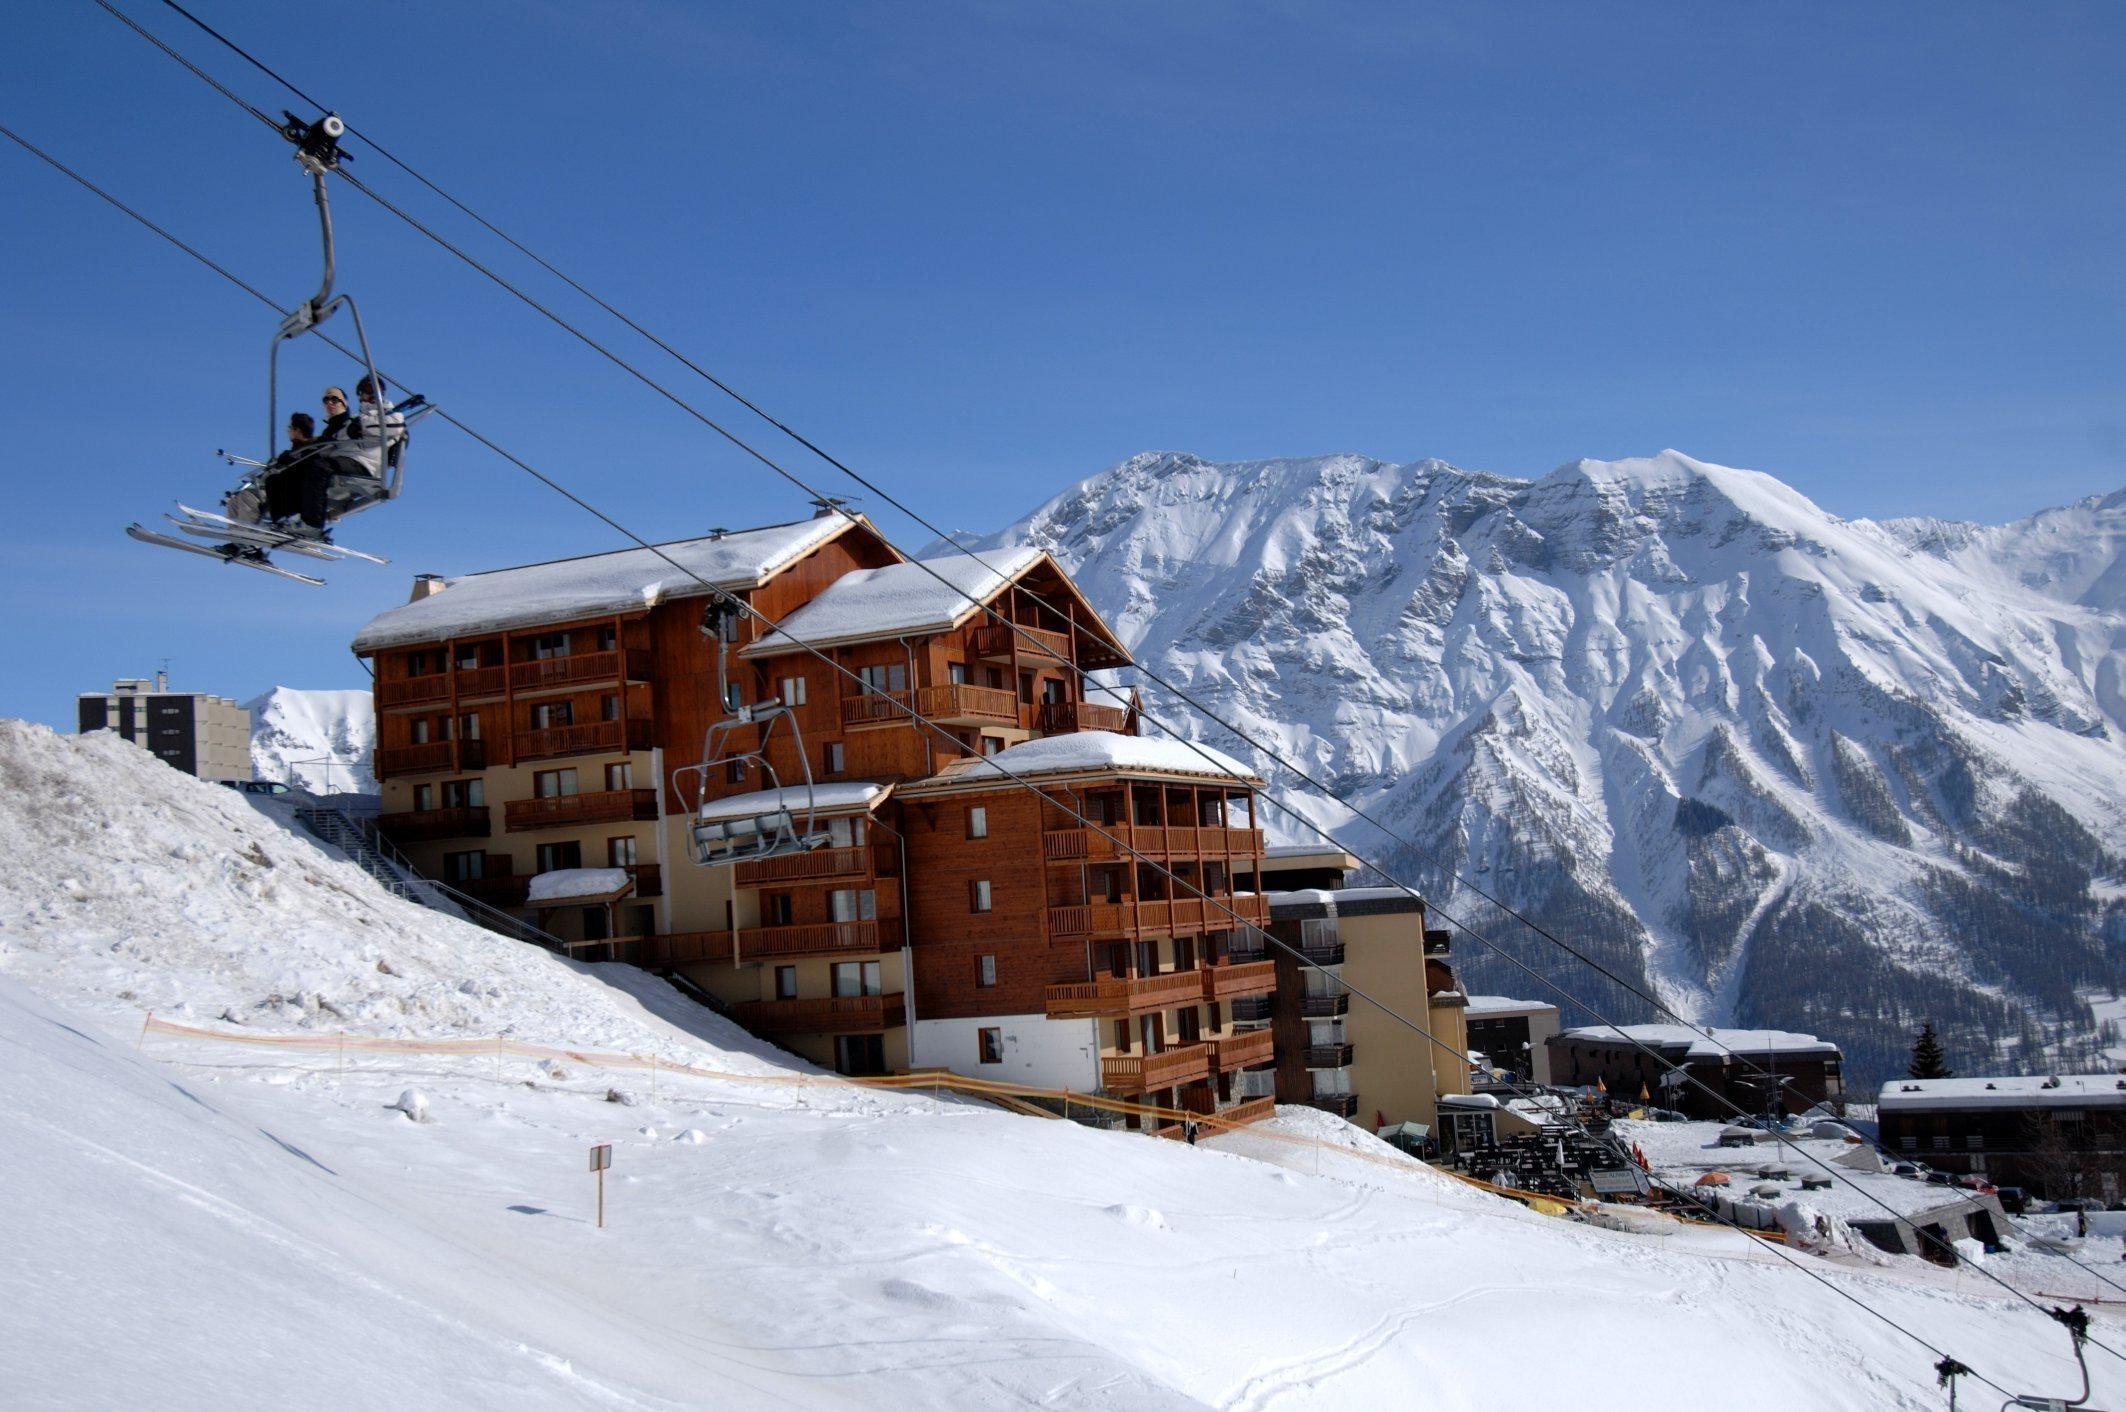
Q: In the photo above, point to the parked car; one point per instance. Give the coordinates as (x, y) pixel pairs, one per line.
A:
(255, 786)
(1936, 1178)
(2013, 1199)
(1974, 1182)
(1917, 1171)
(2071, 1204)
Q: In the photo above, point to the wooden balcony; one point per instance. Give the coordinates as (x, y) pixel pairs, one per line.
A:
(1328, 1056)
(1343, 1105)
(1143, 1073)
(1324, 1007)
(550, 673)
(682, 948)
(1248, 978)
(1159, 918)
(1253, 1009)
(435, 757)
(1062, 717)
(817, 866)
(997, 642)
(606, 806)
(1249, 1110)
(1329, 955)
(1120, 842)
(1243, 1050)
(1439, 976)
(841, 1014)
(421, 825)
(1125, 995)
(478, 683)
(948, 705)
(413, 691)
(808, 939)
(593, 738)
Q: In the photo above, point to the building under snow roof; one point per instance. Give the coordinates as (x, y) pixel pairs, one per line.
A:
(938, 595)
(1712, 1073)
(2055, 1091)
(594, 585)
(1675, 1041)
(1091, 753)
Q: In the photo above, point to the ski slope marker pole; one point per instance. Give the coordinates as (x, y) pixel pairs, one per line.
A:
(601, 1158)
(142, 1041)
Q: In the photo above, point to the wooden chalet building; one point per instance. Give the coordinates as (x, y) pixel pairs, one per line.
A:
(530, 721)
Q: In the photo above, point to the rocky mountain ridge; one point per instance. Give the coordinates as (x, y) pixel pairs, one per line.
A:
(1785, 768)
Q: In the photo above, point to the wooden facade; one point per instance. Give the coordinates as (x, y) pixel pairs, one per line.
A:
(938, 903)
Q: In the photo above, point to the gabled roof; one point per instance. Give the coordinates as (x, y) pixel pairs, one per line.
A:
(909, 599)
(1089, 753)
(623, 581)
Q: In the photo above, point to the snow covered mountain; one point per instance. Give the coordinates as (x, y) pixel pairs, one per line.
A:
(294, 733)
(212, 1224)
(1792, 770)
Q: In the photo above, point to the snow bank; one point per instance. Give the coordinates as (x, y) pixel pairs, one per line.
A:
(1105, 750)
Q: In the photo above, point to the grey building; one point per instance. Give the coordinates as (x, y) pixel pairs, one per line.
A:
(193, 731)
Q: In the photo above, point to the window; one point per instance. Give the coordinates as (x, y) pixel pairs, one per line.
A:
(856, 978)
(776, 909)
(465, 794)
(469, 726)
(832, 760)
(786, 982)
(793, 691)
(992, 745)
(464, 867)
(1941, 1143)
(620, 852)
(549, 715)
(609, 706)
(424, 797)
(549, 645)
(978, 891)
(956, 673)
(734, 772)
(887, 676)
(468, 657)
(595, 924)
(418, 664)
(554, 784)
(993, 678)
(985, 971)
(620, 776)
(1909, 1144)
(992, 1044)
(851, 905)
(977, 822)
(608, 638)
(1026, 687)
(848, 833)
(1974, 1141)
(420, 730)
(555, 856)
(1052, 690)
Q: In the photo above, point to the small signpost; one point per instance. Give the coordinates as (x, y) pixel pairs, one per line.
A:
(601, 1158)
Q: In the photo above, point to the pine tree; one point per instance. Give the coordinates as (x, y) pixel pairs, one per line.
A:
(1928, 1061)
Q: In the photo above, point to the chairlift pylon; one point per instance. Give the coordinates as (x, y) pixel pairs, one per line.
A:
(774, 829)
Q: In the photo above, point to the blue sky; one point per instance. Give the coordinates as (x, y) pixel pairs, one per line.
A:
(984, 250)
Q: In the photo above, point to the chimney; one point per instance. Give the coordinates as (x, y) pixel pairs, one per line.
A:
(162, 680)
(425, 586)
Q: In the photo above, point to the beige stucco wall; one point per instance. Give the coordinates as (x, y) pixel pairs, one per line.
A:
(1395, 1071)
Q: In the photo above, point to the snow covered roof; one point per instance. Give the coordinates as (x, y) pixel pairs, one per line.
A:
(1709, 1044)
(577, 884)
(899, 600)
(1098, 752)
(626, 580)
(2061, 1091)
(839, 797)
(1504, 1005)
(1340, 894)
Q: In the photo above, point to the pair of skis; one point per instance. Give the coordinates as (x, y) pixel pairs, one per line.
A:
(244, 544)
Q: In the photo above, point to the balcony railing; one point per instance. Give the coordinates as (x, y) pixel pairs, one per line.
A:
(607, 806)
(592, 738)
(1157, 918)
(1343, 1105)
(1113, 842)
(1254, 1009)
(423, 824)
(1142, 1073)
(1328, 1056)
(678, 948)
(430, 758)
(1243, 1050)
(998, 641)
(549, 672)
(808, 939)
(1324, 1007)
(966, 705)
(475, 682)
(1248, 1110)
(1227, 981)
(841, 1014)
(805, 867)
(1060, 717)
(1125, 995)
(1331, 954)
(412, 691)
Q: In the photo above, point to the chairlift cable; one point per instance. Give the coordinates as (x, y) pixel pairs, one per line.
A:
(933, 726)
(1019, 632)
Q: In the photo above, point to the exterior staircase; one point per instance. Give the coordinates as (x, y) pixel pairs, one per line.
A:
(374, 854)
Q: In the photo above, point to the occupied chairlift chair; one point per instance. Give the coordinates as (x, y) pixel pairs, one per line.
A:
(775, 830)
